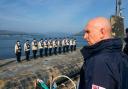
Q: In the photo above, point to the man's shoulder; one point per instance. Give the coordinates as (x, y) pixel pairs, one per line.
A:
(110, 57)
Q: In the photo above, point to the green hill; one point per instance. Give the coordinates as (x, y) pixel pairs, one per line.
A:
(6, 32)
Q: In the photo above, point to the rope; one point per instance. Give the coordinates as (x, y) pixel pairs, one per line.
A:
(74, 85)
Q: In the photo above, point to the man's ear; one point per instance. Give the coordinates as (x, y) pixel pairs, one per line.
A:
(102, 33)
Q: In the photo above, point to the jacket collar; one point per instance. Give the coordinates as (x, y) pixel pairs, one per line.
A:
(104, 45)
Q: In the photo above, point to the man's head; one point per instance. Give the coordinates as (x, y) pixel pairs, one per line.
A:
(27, 41)
(97, 29)
(18, 42)
(34, 39)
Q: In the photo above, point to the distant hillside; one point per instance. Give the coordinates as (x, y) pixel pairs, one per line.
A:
(58, 34)
(6, 32)
(81, 33)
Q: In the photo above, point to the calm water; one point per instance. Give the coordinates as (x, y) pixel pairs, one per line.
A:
(7, 43)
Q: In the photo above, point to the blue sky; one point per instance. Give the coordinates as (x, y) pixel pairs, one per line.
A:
(40, 16)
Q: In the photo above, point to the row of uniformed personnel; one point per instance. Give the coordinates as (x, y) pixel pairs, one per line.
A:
(46, 47)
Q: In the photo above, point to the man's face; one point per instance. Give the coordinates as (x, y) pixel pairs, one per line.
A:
(18, 43)
(92, 34)
(27, 42)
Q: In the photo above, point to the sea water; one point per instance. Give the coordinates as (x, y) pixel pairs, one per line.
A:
(7, 42)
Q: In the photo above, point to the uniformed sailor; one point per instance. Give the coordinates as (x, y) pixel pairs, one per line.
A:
(50, 46)
(41, 46)
(18, 51)
(67, 44)
(74, 44)
(71, 44)
(34, 47)
(64, 45)
(46, 47)
(27, 49)
(55, 46)
(59, 43)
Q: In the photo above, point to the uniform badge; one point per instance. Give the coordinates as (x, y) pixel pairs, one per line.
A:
(97, 87)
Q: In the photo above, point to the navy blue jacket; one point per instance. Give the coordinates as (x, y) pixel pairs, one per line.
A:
(103, 64)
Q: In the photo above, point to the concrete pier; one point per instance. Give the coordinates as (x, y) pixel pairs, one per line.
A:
(15, 75)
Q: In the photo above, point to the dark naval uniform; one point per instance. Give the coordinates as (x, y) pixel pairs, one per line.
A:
(103, 65)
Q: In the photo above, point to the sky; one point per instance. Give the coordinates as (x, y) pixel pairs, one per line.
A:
(40, 16)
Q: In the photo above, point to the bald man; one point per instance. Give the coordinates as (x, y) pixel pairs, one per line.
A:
(103, 58)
